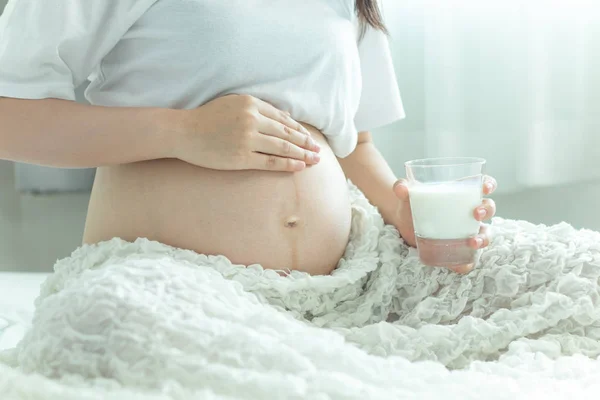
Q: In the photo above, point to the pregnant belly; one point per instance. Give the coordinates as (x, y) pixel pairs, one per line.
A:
(295, 221)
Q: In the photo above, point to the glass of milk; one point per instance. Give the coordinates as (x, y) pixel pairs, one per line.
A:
(444, 193)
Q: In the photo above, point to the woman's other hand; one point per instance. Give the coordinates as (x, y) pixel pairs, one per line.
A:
(404, 221)
(238, 132)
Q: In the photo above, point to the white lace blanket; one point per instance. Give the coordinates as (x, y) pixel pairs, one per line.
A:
(146, 321)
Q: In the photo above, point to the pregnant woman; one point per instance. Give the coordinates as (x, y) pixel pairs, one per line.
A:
(225, 128)
(224, 133)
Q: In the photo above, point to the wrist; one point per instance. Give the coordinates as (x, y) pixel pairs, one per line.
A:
(390, 208)
(390, 216)
(170, 130)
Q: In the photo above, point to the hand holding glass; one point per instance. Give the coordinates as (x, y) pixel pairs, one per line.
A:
(443, 194)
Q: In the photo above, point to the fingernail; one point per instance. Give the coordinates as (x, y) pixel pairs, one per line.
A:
(479, 242)
(316, 146)
(316, 158)
(489, 187)
(481, 212)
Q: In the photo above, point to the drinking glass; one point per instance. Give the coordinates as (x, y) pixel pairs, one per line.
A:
(444, 193)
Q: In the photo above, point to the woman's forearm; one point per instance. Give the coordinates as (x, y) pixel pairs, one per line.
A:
(66, 134)
(369, 171)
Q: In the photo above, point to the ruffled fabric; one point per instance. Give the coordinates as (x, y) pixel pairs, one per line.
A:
(146, 317)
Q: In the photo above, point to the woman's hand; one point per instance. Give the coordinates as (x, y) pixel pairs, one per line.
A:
(238, 132)
(404, 221)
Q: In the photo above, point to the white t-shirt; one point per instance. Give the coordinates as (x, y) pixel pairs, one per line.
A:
(301, 56)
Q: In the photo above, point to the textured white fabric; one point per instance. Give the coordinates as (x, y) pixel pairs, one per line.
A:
(17, 293)
(301, 56)
(160, 322)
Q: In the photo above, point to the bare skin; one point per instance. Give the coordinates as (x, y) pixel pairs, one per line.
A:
(235, 177)
(487, 210)
(367, 168)
(280, 220)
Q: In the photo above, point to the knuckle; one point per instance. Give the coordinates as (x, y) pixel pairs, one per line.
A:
(488, 180)
(246, 99)
(283, 116)
(250, 119)
(271, 162)
(289, 165)
(241, 159)
(286, 147)
(244, 144)
(287, 130)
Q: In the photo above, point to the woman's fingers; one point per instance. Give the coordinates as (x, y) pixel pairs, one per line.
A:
(284, 118)
(268, 162)
(400, 188)
(486, 211)
(489, 185)
(276, 129)
(482, 239)
(271, 145)
(282, 136)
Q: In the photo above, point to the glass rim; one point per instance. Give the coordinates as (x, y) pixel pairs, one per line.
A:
(444, 162)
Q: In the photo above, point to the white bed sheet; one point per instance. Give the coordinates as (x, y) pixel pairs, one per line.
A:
(17, 294)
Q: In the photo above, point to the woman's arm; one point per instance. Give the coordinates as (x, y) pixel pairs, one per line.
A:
(61, 133)
(369, 171)
(229, 133)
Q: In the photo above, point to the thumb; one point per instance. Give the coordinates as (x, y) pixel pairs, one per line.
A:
(401, 189)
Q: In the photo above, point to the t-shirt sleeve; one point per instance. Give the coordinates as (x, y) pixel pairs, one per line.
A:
(380, 102)
(48, 48)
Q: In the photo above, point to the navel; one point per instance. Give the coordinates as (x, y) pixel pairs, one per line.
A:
(292, 222)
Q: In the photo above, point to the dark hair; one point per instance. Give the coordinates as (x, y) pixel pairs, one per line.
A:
(369, 14)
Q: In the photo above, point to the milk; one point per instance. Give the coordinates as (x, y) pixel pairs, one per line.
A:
(445, 210)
